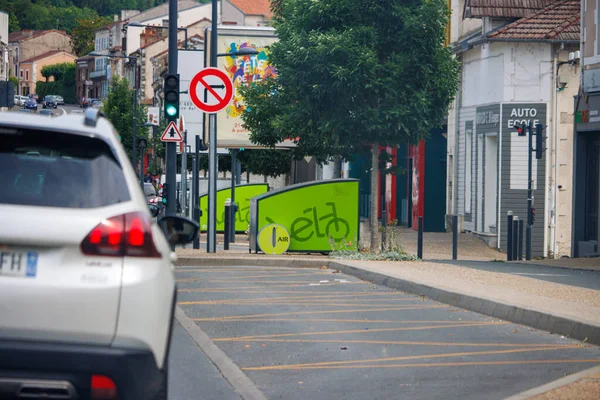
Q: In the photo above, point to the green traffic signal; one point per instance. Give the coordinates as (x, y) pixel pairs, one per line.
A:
(171, 110)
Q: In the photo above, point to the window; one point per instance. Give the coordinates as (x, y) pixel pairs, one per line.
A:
(468, 167)
(27, 75)
(21, 74)
(56, 169)
(16, 55)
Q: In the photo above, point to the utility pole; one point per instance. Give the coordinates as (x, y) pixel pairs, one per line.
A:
(529, 193)
(212, 150)
(171, 149)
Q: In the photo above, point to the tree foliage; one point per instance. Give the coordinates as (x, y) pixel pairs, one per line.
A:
(118, 108)
(266, 162)
(83, 34)
(351, 73)
(64, 82)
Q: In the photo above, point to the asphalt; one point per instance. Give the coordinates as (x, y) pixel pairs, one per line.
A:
(572, 277)
(296, 337)
(192, 374)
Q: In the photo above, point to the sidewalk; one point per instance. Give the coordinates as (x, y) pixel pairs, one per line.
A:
(567, 310)
(584, 385)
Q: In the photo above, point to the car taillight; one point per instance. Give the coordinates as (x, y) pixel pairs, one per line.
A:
(103, 388)
(122, 235)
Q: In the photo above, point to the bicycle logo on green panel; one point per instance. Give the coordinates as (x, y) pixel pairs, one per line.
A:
(312, 222)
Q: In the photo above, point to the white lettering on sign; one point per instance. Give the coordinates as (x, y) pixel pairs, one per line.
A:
(593, 112)
(515, 122)
(487, 117)
(523, 112)
(519, 116)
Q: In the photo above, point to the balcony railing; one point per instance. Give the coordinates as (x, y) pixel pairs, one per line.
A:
(98, 74)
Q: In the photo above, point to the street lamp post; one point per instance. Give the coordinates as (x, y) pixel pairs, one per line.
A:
(140, 25)
(135, 97)
(212, 150)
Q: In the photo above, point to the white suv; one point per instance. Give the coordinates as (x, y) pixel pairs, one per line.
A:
(87, 290)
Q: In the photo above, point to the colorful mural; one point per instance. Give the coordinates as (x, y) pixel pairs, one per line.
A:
(245, 69)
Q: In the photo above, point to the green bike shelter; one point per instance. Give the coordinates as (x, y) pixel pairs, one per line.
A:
(315, 214)
(243, 194)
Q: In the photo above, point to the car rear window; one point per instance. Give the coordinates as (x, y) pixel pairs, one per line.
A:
(55, 169)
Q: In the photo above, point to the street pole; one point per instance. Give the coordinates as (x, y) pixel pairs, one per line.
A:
(195, 202)
(184, 175)
(212, 151)
(135, 97)
(529, 194)
(233, 209)
(171, 149)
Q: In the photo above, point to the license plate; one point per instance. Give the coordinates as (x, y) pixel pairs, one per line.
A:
(18, 263)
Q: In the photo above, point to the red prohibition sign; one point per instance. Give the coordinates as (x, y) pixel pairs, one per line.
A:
(223, 99)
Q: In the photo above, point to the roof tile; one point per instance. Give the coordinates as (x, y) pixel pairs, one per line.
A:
(503, 8)
(253, 7)
(46, 55)
(558, 21)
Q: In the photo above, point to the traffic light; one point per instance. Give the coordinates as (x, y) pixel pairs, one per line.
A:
(171, 92)
(521, 129)
(539, 141)
(532, 216)
(165, 188)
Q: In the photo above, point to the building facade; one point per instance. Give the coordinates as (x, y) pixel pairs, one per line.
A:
(32, 68)
(515, 69)
(586, 143)
(28, 44)
(85, 86)
(246, 12)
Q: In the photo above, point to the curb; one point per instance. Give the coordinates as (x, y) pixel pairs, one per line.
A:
(567, 380)
(545, 321)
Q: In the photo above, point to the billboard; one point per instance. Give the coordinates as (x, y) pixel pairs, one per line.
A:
(241, 69)
(189, 63)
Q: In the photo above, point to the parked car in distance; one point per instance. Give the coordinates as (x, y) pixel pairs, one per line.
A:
(59, 100)
(50, 102)
(31, 104)
(20, 100)
(46, 113)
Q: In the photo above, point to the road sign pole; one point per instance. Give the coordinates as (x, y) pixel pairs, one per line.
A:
(212, 184)
(195, 190)
(171, 149)
(233, 174)
(529, 194)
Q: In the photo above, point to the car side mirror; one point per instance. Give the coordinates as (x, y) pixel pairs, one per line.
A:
(154, 210)
(178, 230)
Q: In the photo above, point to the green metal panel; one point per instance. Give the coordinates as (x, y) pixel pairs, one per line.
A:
(435, 182)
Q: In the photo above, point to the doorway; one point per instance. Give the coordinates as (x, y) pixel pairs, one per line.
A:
(491, 183)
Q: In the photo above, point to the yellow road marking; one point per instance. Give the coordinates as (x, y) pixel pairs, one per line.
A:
(399, 308)
(329, 302)
(360, 321)
(403, 358)
(261, 290)
(271, 275)
(317, 297)
(407, 343)
(413, 328)
(450, 364)
(307, 282)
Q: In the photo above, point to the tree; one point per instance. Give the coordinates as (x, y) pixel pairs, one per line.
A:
(354, 75)
(64, 81)
(266, 162)
(118, 108)
(83, 34)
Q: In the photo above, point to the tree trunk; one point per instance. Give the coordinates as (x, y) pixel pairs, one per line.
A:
(266, 178)
(337, 172)
(373, 221)
(247, 177)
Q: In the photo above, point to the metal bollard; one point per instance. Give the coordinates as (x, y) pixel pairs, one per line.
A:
(509, 236)
(233, 209)
(196, 214)
(226, 236)
(515, 245)
(520, 244)
(420, 239)
(455, 237)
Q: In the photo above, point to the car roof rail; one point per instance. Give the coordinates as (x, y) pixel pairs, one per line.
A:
(91, 116)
